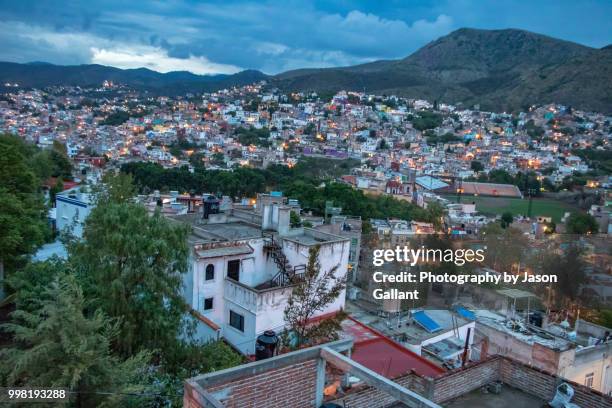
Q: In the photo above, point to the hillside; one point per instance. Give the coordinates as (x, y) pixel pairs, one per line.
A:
(39, 75)
(498, 69)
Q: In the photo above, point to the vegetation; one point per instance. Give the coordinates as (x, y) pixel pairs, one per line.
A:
(58, 345)
(581, 223)
(426, 120)
(129, 344)
(519, 206)
(116, 118)
(22, 211)
(312, 294)
(506, 219)
(310, 181)
(252, 136)
(570, 271)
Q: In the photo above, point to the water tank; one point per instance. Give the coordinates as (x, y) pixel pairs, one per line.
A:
(266, 345)
(211, 206)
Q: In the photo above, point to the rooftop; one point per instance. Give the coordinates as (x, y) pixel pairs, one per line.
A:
(384, 356)
(508, 398)
(406, 329)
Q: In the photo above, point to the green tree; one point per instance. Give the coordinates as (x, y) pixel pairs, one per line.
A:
(477, 166)
(115, 188)
(294, 220)
(506, 248)
(22, 212)
(506, 219)
(581, 223)
(30, 283)
(132, 264)
(312, 294)
(570, 271)
(59, 346)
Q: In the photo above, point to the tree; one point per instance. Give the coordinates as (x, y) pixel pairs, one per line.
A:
(115, 188)
(31, 282)
(506, 219)
(132, 264)
(581, 223)
(60, 347)
(313, 293)
(477, 166)
(22, 212)
(294, 220)
(570, 271)
(505, 247)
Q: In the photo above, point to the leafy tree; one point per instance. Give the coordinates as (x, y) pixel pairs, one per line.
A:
(476, 166)
(22, 212)
(132, 264)
(506, 219)
(31, 282)
(115, 188)
(505, 247)
(294, 219)
(581, 223)
(570, 271)
(312, 294)
(59, 346)
(218, 159)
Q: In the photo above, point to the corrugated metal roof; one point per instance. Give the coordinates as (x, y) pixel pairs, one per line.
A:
(430, 183)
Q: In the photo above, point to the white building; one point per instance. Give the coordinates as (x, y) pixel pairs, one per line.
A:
(72, 208)
(242, 266)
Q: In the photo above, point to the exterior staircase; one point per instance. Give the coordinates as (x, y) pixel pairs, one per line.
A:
(287, 275)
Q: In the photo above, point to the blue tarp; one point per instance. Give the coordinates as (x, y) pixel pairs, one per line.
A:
(426, 322)
(468, 314)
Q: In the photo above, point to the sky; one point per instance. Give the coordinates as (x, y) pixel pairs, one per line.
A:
(271, 36)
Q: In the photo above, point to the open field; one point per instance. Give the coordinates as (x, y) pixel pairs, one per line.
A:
(517, 206)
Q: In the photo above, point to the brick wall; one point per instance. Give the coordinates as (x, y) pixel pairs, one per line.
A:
(544, 385)
(291, 386)
(367, 397)
(464, 380)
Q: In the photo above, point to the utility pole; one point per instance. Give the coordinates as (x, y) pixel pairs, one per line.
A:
(459, 189)
(531, 193)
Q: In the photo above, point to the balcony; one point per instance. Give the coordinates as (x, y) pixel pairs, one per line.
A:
(257, 299)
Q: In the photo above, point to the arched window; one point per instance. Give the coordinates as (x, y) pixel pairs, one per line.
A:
(210, 272)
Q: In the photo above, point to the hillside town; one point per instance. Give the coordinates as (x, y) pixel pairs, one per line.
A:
(281, 189)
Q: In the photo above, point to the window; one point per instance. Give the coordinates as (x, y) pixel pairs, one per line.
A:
(236, 321)
(210, 272)
(588, 380)
(233, 269)
(208, 303)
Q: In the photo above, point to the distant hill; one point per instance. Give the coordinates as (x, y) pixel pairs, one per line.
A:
(498, 69)
(41, 74)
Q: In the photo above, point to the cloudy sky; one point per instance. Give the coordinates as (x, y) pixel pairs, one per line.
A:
(272, 36)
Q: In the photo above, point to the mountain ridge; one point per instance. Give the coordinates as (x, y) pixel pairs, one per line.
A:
(505, 69)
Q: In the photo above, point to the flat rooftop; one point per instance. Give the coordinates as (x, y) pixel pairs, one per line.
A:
(508, 398)
(229, 231)
(527, 333)
(395, 327)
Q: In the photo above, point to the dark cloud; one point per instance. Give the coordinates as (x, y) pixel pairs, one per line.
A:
(270, 36)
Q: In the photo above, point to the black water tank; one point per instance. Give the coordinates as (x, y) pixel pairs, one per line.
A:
(211, 206)
(266, 345)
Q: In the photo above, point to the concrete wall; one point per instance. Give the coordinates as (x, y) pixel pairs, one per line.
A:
(71, 214)
(595, 361)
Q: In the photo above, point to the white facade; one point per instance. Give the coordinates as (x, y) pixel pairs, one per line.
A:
(72, 208)
(236, 294)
